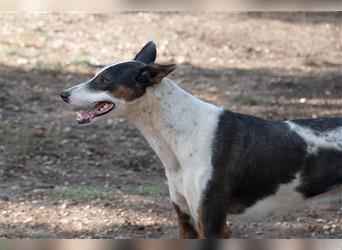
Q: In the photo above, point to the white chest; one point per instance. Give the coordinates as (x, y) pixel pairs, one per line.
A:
(181, 133)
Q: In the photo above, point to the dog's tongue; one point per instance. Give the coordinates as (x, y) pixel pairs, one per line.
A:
(92, 113)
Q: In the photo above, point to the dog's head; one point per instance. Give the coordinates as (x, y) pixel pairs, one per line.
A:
(116, 85)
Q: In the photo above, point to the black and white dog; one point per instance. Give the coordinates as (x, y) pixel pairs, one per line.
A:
(218, 163)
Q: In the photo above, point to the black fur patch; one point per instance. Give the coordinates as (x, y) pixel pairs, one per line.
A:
(252, 157)
(120, 75)
(321, 172)
(129, 80)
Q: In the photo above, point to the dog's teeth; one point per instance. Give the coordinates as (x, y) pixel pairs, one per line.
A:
(78, 116)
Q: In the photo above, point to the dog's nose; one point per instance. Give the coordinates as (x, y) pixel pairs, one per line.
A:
(65, 96)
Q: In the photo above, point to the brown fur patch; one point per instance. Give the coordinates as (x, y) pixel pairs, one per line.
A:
(123, 92)
(227, 233)
(186, 228)
(200, 222)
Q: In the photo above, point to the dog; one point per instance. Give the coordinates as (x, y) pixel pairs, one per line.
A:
(218, 163)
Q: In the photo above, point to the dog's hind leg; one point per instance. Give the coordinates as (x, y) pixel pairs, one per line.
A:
(186, 227)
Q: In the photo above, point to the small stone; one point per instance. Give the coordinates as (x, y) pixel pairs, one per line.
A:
(300, 219)
(302, 100)
(65, 141)
(67, 129)
(320, 221)
(39, 132)
(180, 59)
(326, 227)
(29, 219)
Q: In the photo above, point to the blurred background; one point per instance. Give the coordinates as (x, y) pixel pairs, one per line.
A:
(61, 180)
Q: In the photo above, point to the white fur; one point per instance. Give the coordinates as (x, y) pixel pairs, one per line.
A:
(80, 95)
(315, 140)
(180, 128)
(285, 199)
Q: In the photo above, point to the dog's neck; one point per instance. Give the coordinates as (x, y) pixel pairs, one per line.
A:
(170, 119)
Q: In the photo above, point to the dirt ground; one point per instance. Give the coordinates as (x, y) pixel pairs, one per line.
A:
(61, 180)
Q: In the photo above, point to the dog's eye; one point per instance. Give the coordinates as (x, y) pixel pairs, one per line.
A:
(105, 79)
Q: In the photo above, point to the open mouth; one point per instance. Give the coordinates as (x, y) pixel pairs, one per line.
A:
(101, 108)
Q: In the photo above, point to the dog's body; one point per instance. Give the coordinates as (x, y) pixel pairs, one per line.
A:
(218, 162)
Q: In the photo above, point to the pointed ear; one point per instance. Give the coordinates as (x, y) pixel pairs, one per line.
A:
(147, 54)
(154, 73)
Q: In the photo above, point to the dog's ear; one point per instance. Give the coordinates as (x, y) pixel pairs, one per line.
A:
(154, 73)
(147, 54)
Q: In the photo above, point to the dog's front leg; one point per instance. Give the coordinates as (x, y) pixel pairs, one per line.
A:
(212, 219)
(186, 227)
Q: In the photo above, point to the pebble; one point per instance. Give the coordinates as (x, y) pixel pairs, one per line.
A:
(180, 59)
(67, 129)
(302, 100)
(300, 219)
(320, 221)
(64, 141)
(29, 219)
